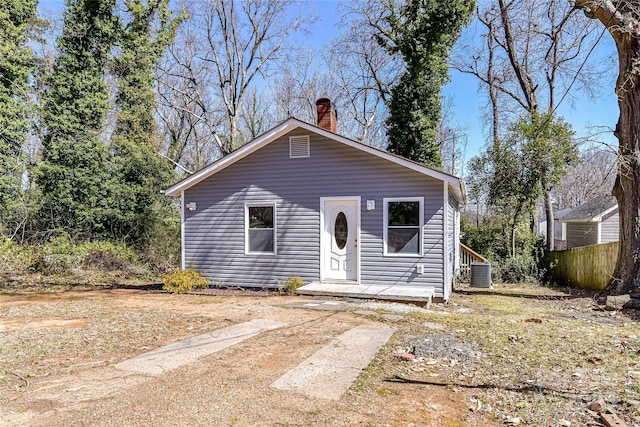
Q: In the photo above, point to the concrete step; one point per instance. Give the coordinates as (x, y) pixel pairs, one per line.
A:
(381, 292)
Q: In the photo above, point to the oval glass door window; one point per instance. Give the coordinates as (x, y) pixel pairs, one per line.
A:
(341, 230)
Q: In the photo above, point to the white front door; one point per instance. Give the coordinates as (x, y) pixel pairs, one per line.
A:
(340, 239)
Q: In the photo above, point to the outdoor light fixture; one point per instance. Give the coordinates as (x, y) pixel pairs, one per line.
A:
(192, 206)
(371, 205)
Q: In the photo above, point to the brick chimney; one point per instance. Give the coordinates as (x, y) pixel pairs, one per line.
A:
(327, 115)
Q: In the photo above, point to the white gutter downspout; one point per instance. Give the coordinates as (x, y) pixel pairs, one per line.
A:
(182, 254)
(445, 223)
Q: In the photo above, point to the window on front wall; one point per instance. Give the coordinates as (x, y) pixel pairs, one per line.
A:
(403, 221)
(260, 230)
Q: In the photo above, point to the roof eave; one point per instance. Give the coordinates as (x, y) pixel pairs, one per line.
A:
(293, 123)
(596, 219)
(231, 158)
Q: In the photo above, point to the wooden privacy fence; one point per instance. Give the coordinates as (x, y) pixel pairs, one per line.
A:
(467, 256)
(587, 267)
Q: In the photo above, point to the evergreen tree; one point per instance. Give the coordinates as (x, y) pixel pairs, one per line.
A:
(73, 177)
(17, 63)
(422, 32)
(140, 173)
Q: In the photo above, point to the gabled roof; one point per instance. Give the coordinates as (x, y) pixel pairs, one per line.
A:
(557, 214)
(593, 210)
(455, 184)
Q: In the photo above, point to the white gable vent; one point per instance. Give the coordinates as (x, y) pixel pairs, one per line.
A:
(298, 146)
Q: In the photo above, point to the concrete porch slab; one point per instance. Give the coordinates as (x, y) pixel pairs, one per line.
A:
(394, 293)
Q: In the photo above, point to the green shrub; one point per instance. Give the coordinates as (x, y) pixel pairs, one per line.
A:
(50, 264)
(106, 256)
(290, 284)
(182, 281)
(491, 240)
(13, 257)
(521, 269)
(161, 249)
(60, 256)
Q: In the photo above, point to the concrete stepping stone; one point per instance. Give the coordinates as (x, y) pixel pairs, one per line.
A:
(183, 352)
(329, 372)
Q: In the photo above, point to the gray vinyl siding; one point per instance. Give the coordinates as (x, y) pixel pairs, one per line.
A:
(609, 228)
(214, 233)
(581, 234)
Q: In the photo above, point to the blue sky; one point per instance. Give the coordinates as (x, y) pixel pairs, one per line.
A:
(469, 103)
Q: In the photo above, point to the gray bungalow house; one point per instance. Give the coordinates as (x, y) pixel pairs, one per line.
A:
(592, 223)
(301, 200)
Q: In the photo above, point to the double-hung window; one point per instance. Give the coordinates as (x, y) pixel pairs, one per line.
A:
(260, 228)
(403, 221)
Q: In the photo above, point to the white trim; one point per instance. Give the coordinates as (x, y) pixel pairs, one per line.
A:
(599, 232)
(246, 227)
(607, 212)
(183, 259)
(445, 233)
(293, 123)
(456, 240)
(582, 221)
(323, 200)
(385, 221)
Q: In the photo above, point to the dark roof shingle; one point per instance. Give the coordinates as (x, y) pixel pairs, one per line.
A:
(591, 209)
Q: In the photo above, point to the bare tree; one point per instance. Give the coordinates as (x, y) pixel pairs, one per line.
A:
(364, 71)
(594, 175)
(536, 53)
(299, 82)
(622, 20)
(452, 140)
(256, 115)
(240, 41)
(186, 106)
(208, 102)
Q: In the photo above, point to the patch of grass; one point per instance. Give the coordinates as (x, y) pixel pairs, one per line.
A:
(381, 391)
(545, 353)
(366, 380)
(197, 301)
(512, 305)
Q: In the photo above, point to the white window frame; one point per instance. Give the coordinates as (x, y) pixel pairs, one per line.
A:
(385, 220)
(246, 227)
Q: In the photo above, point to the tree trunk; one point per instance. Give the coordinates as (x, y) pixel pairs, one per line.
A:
(621, 19)
(627, 186)
(548, 207)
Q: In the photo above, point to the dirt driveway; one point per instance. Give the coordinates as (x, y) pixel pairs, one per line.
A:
(59, 350)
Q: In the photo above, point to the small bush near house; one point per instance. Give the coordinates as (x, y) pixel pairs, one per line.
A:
(182, 281)
(290, 284)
